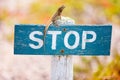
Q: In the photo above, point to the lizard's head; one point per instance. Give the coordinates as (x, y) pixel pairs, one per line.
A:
(60, 9)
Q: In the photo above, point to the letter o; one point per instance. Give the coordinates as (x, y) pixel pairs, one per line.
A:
(76, 43)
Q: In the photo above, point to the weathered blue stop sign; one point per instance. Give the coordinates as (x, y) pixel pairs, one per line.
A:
(63, 40)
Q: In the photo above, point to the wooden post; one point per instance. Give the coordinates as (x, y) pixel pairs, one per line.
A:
(62, 68)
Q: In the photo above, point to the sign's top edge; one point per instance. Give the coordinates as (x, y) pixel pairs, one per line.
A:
(95, 24)
(88, 25)
(65, 25)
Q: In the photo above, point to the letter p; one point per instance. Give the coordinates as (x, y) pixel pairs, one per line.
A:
(85, 40)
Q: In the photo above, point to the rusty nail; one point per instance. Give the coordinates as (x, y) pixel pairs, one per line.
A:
(62, 51)
(64, 29)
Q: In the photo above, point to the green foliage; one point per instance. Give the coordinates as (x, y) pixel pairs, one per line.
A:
(110, 71)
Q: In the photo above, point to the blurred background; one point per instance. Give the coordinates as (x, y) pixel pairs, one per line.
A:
(14, 67)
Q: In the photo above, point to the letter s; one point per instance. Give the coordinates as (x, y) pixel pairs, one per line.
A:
(33, 38)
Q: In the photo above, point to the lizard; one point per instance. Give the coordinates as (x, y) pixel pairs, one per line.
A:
(55, 17)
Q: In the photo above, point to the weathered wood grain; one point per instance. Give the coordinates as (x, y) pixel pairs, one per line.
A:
(62, 68)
